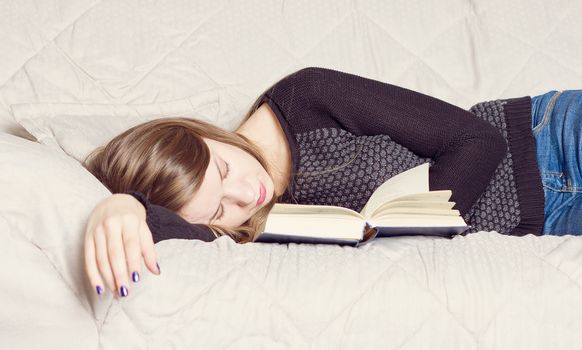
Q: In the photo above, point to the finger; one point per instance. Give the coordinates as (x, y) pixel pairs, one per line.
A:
(91, 265)
(117, 258)
(148, 248)
(102, 256)
(131, 244)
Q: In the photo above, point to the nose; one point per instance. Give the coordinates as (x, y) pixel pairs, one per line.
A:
(240, 192)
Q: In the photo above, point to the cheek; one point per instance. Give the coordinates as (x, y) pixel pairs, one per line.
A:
(237, 220)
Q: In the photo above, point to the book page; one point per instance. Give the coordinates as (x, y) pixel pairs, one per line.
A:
(416, 204)
(322, 226)
(439, 195)
(427, 211)
(315, 210)
(411, 181)
(432, 199)
(412, 220)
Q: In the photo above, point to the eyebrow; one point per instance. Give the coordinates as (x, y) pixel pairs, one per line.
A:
(218, 208)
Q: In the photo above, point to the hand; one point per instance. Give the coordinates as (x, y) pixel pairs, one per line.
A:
(116, 238)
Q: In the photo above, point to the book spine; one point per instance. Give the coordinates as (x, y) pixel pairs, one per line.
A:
(266, 237)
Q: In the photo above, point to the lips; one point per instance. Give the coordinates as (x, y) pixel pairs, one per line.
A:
(262, 194)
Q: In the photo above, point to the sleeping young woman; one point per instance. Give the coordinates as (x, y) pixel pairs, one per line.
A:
(320, 136)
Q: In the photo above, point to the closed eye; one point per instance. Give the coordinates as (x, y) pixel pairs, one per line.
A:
(226, 172)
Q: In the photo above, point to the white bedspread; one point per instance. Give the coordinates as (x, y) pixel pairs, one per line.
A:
(143, 52)
(484, 291)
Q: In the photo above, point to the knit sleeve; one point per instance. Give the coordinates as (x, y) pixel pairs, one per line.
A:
(465, 149)
(167, 224)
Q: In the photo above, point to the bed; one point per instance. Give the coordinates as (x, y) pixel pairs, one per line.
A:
(75, 73)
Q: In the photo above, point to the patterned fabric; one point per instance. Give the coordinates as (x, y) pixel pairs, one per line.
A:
(339, 168)
(336, 167)
(498, 207)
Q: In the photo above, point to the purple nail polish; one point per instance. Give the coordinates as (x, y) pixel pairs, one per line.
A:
(135, 276)
(123, 291)
(99, 290)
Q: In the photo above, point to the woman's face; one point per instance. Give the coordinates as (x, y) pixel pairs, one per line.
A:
(234, 188)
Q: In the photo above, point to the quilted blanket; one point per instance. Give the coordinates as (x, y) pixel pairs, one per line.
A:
(69, 67)
(481, 291)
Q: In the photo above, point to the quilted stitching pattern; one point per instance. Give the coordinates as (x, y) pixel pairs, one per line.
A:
(482, 291)
(136, 52)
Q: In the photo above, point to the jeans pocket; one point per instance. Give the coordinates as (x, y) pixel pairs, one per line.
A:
(555, 181)
(547, 113)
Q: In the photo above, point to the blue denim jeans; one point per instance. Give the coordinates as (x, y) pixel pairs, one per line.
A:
(557, 129)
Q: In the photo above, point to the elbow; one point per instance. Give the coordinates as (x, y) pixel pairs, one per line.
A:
(489, 148)
(496, 145)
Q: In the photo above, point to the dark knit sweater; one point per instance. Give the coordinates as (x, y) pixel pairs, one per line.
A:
(348, 134)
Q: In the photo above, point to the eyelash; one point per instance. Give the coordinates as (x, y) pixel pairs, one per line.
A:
(225, 176)
(227, 170)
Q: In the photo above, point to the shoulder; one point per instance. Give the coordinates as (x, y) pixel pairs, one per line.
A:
(308, 77)
(304, 87)
(309, 73)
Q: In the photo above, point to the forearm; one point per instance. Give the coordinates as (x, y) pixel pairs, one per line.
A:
(467, 166)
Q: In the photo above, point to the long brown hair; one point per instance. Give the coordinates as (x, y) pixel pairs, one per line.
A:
(166, 159)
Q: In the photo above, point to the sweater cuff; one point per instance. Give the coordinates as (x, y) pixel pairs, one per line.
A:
(167, 224)
(151, 218)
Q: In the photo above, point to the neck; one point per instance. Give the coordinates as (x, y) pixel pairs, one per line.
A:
(263, 129)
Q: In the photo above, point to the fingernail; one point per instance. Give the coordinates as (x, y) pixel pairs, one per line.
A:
(99, 290)
(135, 276)
(123, 291)
(158, 266)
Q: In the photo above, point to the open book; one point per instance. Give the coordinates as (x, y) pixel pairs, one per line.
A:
(403, 205)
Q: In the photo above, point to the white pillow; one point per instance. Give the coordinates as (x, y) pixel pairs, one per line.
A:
(46, 198)
(77, 129)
